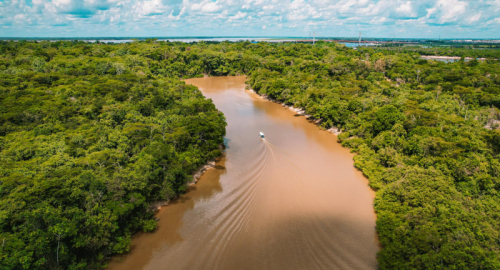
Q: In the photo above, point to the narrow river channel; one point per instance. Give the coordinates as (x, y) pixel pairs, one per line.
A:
(290, 201)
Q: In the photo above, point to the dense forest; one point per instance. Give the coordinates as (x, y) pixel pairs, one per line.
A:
(419, 129)
(90, 134)
(460, 51)
(88, 141)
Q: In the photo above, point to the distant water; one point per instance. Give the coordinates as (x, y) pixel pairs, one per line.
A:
(189, 40)
(446, 59)
(354, 45)
(213, 39)
(186, 40)
(109, 40)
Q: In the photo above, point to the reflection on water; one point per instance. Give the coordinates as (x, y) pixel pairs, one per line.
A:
(171, 220)
(290, 201)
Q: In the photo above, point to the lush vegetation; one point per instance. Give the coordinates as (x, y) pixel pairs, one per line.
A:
(87, 141)
(91, 133)
(418, 127)
(462, 51)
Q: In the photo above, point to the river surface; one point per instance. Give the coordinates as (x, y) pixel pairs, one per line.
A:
(290, 201)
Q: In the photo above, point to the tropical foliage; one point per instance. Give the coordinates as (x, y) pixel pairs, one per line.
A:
(472, 51)
(419, 129)
(87, 143)
(92, 133)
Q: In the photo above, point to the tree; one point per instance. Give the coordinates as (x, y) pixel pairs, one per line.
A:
(386, 117)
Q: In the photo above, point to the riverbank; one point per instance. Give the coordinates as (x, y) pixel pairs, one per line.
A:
(267, 204)
(156, 206)
(300, 111)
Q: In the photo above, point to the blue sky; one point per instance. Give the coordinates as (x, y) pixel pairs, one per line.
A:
(336, 18)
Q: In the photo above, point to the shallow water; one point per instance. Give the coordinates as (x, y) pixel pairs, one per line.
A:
(290, 201)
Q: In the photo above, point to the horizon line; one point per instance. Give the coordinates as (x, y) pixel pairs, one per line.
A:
(268, 37)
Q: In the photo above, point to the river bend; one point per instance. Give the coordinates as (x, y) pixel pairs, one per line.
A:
(290, 201)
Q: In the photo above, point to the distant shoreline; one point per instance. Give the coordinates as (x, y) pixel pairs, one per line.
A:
(449, 57)
(494, 40)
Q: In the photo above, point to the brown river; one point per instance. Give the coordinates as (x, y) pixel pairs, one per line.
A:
(290, 201)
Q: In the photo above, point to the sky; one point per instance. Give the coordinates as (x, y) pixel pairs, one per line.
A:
(292, 18)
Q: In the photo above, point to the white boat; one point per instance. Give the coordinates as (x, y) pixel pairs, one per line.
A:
(262, 135)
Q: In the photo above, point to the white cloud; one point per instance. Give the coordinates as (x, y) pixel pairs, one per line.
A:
(238, 16)
(59, 3)
(19, 17)
(250, 17)
(406, 9)
(378, 20)
(474, 18)
(211, 7)
(430, 12)
(178, 16)
(151, 7)
(206, 6)
(450, 10)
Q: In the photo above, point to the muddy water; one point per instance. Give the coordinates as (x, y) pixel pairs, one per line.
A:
(290, 201)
